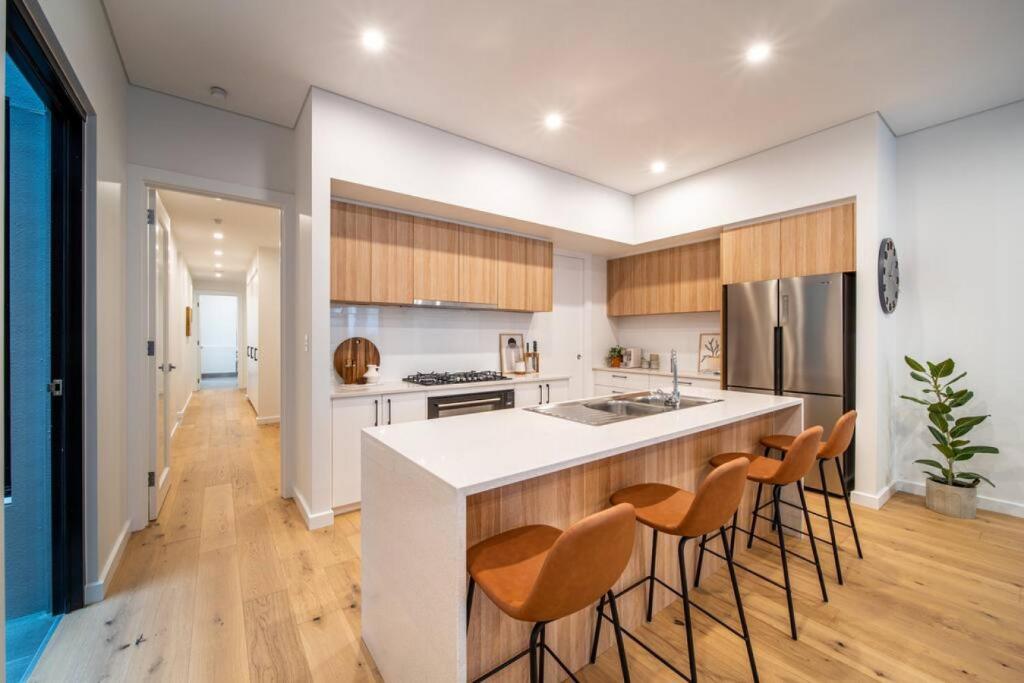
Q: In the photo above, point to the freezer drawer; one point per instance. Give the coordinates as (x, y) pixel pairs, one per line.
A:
(811, 318)
(751, 318)
(824, 411)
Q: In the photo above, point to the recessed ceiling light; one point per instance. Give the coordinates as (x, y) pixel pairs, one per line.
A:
(218, 252)
(758, 52)
(218, 265)
(373, 40)
(218, 235)
(217, 274)
(216, 199)
(553, 121)
(657, 167)
(218, 93)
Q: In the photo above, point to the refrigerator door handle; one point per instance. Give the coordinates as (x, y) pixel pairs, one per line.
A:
(777, 378)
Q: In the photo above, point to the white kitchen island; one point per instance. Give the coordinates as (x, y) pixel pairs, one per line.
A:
(432, 488)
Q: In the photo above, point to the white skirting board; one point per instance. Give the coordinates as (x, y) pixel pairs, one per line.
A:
(97, 590)
(313, 521)
(877, 500)
(268, 420)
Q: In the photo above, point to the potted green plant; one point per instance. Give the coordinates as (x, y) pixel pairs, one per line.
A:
(948, 490)
(615, 356)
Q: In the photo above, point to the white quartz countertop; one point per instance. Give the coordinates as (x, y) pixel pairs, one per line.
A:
(481, 451)
(346, 390)
(660, 372)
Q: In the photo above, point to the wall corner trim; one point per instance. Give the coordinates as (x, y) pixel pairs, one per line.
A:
(314, 520)
(875, 501)
(97, 590)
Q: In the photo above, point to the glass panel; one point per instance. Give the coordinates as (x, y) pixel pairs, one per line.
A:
(27, 515)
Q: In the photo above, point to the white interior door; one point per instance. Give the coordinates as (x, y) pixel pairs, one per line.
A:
(566, 352)
(160, 448)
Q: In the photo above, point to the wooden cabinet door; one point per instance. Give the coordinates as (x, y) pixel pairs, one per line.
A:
(391, 262)
(751, 253)
(539, 256)
(698, 286)
(350, 253)
(435, 260)
(478, 266)
(511, 272)
(625, 285)
(819, 242)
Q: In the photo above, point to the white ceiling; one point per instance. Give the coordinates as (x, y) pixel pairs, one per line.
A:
(245, 227)
(635, 80)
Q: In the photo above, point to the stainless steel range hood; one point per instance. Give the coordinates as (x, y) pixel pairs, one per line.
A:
(439, 303)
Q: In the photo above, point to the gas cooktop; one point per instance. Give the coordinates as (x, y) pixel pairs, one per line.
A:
(433, 378)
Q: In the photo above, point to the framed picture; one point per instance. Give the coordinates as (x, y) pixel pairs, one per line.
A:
(188, 321)
(511, 350)
(709, 356)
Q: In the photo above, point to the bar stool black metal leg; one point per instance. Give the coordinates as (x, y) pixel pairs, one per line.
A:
(814, 545)
(777, 517)
(650, 585)
(735, 519)
(753, 516)
(700, 560)
(542, 653)
(849, 508)
(831, 525)
(538, 628)
(623, 664)
(686, 611)
(469, 600)
(739, 606)
(597, 628)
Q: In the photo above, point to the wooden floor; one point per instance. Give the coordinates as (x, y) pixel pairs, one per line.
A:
(229, 586)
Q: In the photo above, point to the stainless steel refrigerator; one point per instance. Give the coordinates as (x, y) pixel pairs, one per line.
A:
(796, 337)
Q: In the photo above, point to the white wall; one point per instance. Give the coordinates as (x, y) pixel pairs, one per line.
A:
(178, 135)
(960, 189)
(84, 37)
(269, 261)
(237, 290)
(850, 160)
(662, 333)
(218, 331)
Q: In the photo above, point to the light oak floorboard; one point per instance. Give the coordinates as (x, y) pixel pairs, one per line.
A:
(935, 599)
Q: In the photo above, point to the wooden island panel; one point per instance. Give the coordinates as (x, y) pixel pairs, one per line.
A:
(563, 497)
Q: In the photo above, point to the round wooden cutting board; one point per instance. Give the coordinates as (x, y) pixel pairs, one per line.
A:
(351, 358)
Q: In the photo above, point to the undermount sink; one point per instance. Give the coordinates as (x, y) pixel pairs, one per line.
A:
(602, 411)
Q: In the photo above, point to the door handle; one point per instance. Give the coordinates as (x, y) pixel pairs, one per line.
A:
(541, 388)
(389, 411)
(549, 392)
(376, 413)
(172, 366)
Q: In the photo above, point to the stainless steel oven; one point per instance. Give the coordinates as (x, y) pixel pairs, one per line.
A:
(463, 404)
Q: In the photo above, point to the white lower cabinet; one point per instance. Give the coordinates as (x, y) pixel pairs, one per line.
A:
(540, 393)
(607, 382)
(348, 418)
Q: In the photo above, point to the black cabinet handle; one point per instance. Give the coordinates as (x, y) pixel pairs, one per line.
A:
(549, 392)
(541, 387)
(256, 354)
(376, 414)
(389, 411)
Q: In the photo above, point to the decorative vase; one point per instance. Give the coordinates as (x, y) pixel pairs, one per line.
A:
(953, 501)
(372, 375)
(616, 361)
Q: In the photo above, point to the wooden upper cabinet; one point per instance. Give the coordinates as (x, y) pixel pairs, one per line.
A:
(678, 280)
(819, 242)
(511, 272)
(435, 260)
(478, 266)
(752, 252)
(351, 239)
(539, 258)
(391, 262)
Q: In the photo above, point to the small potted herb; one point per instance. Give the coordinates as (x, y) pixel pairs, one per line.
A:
(615, 356)
(948, 490)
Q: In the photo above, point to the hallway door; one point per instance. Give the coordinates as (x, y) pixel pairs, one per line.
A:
(157, 231)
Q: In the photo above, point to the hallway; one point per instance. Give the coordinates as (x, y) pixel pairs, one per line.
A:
(228, 585)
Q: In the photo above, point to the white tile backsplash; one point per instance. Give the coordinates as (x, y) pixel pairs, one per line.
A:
(662, 333)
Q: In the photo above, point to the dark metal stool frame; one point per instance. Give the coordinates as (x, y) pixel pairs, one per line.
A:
(650, 580)
(778, 526)
(852, 525)
(538, 647)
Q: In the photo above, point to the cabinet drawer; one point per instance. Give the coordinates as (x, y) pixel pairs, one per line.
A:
(605, 390)
(621, 380)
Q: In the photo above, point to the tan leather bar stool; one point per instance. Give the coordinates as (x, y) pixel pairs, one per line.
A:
(777, 473)
(838, 441)
(676, 512)
(540, 574)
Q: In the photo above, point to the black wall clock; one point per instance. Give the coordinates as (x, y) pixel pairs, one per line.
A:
(888, 276)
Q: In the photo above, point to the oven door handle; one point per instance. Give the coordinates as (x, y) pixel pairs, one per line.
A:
(460, 404)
